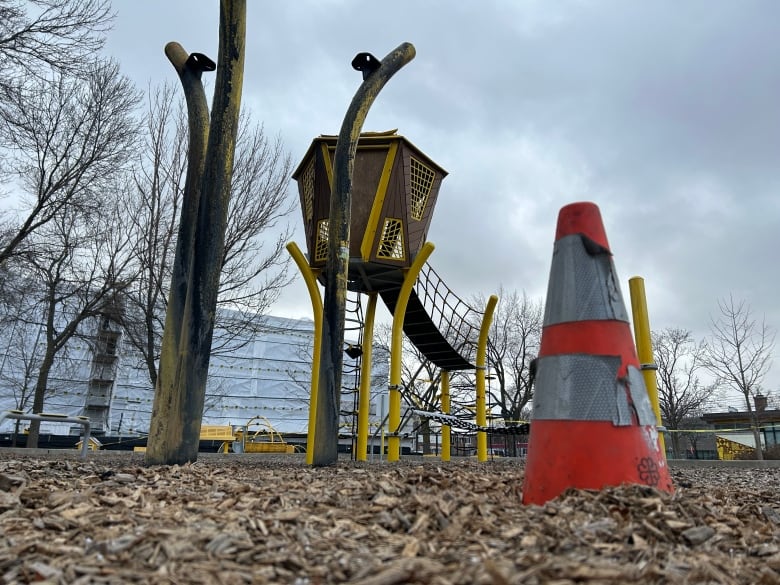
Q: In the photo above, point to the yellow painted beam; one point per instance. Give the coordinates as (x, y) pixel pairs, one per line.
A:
(644, 348)
(396, 346)
(364, 397)
(310, 278)
(487, 319)
(328, 165)
(445, 408)
(379, 202)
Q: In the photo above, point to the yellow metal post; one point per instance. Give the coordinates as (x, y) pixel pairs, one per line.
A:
(396, 345)
(310, 278)
(379, 203)
(364, 398)
(481, 364)
(445, 408)
(644, 347)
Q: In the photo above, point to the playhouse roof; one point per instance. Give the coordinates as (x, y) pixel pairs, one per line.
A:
(368, 139)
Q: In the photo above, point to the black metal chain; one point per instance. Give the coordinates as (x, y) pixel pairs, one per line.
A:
(455, 422)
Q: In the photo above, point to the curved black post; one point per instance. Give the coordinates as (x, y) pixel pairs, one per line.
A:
(174, 433)
(375, 75)
(167, 401)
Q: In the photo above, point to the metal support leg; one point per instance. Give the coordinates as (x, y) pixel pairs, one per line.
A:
(81, 420)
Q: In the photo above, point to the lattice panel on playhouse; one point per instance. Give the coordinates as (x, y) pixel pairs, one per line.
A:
(391, 244)
(421, 182)
(321, 241)
(307, 182)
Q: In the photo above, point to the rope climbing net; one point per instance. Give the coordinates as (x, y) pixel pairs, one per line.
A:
(457, 321)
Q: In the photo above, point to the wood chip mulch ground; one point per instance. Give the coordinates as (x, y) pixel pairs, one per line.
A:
(258, 519)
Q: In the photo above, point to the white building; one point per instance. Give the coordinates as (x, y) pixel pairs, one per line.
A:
(267, 376)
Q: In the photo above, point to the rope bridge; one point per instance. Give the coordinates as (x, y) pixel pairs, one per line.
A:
(457, 321)
(439, 323)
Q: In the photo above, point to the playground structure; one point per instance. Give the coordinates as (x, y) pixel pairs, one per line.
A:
(265, 439)
(395, 191)
(388, 258)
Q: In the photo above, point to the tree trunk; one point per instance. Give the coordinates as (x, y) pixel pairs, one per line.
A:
(511, 447)
(757, 438)
(14, 439)
(675, 445)
(425, 429)
(38, 398)
(755, 428)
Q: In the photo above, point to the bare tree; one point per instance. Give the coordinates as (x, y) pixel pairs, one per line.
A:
(254, 261)
(82, 265)
(21, 361)
(14, 289)
(40, 36)
(421, 390)
(153, 201)
(739, 354)
(69, 141)
(513, 345)
(681, 394)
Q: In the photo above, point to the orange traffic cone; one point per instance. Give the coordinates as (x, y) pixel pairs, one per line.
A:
(592, 423)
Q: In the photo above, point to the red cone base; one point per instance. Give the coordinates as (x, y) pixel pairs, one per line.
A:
(591, 455)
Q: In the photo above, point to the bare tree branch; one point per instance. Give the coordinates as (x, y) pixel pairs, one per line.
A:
(513, 344)
(69, 140)
(680, 393)
(254, 261)
(82, 264)
(40, 36)
(739, 354)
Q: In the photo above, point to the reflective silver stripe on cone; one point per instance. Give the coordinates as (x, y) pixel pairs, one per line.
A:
(640, 398)
(582, 285)
(586, 387)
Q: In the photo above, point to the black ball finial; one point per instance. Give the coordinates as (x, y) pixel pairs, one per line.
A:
(199, 62)
(366, 63)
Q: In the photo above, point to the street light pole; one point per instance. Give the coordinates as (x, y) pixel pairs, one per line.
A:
(375, 75)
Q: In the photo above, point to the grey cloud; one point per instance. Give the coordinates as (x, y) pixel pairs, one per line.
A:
(664, 113)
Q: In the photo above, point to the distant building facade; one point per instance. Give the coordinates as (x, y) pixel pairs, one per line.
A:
(734, 428)
(101, 376)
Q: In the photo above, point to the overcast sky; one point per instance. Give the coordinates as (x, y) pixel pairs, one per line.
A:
(666, 114)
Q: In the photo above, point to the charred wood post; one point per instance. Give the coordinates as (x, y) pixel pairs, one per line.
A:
(174, 433)
(375, 75)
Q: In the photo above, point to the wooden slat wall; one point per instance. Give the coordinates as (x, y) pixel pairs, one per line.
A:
(365, 179)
